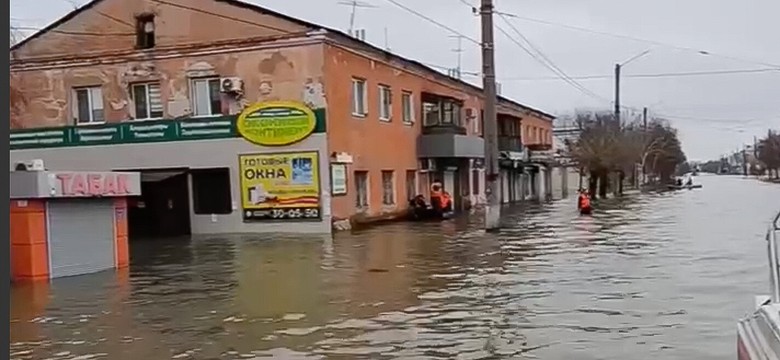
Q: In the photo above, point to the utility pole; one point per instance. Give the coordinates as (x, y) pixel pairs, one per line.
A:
(493, 210)
(646, 137)
(617, 93)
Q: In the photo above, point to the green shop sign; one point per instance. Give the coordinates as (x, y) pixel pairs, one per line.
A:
(130, 132)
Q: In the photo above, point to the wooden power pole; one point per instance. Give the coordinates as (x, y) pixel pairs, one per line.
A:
(493, 209)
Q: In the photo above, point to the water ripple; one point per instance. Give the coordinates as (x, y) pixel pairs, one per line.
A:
(647, 276)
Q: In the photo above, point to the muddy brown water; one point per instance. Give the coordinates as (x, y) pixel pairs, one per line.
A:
(648, 276)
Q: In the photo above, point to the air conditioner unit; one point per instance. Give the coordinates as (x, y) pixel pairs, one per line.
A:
(471, 113)
(231, 85)
(32, 165)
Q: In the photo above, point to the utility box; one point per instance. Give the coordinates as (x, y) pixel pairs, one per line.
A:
(66, 223)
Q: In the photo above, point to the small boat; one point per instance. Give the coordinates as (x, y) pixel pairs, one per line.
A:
(684, 187)
(420, 211)
(758, 334)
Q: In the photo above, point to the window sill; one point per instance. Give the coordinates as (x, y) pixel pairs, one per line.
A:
(409, 123)
(205, 116)
(362, 116)
(387, 120)
(147, 119)
(91, 123)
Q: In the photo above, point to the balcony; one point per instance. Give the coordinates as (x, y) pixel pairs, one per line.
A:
(442, 115)
(510, 143)
(444, 134)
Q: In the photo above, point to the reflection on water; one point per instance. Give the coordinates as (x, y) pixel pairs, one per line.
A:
(648, 276)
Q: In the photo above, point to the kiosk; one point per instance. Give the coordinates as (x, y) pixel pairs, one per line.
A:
(66, 223)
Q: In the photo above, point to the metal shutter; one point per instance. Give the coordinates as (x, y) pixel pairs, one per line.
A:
(81, 236)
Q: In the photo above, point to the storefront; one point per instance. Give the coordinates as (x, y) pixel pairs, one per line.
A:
(259, 171)
(512, 175)
(66, 223)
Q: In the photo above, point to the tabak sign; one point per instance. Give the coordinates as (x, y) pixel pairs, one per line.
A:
(94, 184)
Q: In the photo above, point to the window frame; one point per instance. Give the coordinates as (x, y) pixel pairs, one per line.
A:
(411, 191)
(363, 111)
(360, 205)
(90, 103)
(385, 103)
(148, 101)
(196, 198)
(392, 198)
(407, 100)
(193, 96)
(143, 39)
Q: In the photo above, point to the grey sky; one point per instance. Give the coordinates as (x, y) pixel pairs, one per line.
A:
(715, 114)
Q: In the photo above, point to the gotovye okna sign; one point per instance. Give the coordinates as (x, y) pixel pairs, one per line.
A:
(276, 123)
(280, 186)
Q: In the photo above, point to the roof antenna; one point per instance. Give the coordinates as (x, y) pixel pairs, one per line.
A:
(354, 4)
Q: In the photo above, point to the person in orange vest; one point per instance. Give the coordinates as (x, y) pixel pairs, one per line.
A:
(583, 203)
(446, 202)
(436, 197)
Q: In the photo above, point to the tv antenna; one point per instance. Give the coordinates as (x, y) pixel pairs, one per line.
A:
(459, 51)
(354, 4)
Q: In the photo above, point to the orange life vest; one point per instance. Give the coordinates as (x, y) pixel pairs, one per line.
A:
(445, 200)
(584, 202)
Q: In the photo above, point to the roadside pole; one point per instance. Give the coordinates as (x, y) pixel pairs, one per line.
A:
(493, 208)
(617, 93)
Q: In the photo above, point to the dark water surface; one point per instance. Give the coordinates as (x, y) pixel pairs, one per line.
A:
(655, 276)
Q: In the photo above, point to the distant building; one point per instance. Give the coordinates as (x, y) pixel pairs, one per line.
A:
(159, 87)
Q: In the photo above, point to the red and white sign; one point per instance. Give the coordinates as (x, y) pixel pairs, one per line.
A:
(94, 184)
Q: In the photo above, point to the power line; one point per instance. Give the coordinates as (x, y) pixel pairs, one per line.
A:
(657, 75)
(654, 42)
(68, 32)
(418, 14)
(269, 27)
(545, 61)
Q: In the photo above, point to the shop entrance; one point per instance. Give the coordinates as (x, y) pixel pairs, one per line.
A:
(163, 209)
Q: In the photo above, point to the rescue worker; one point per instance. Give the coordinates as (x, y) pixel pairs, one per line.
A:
(446, 202)
(583, 203)
(436, 197)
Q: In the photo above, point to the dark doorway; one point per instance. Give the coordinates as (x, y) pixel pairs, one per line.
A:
(163, 209)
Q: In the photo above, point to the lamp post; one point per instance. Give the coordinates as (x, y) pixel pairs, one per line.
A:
(618, 67)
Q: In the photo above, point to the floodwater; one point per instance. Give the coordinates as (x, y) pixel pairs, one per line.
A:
(649, 276)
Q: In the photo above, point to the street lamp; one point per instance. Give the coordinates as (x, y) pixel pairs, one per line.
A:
(617, 80)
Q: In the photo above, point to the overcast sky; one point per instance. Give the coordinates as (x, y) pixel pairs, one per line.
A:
(584, 38)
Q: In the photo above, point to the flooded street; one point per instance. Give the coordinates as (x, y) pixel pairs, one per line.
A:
(648, 276)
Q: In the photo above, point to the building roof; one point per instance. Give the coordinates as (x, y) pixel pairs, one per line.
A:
(340, 34)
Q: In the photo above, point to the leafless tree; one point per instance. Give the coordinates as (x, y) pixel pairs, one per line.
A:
(606, 147)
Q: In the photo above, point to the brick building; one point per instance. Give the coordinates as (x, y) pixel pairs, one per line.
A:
(158, 86)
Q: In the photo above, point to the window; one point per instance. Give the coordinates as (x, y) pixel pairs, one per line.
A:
(144, 31)
(148, 103)
(88, 105)
(205, 97)
(385, 103)
(447, 110)
(361, 187)
(388, 187)
(475, 179)
(475, 122)
(431, 113)
(407, 103)
(411, 184)
(359, 97)
(211, 191)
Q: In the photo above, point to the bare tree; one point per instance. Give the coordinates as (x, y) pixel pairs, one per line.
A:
(606, 147)
(769, 153)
